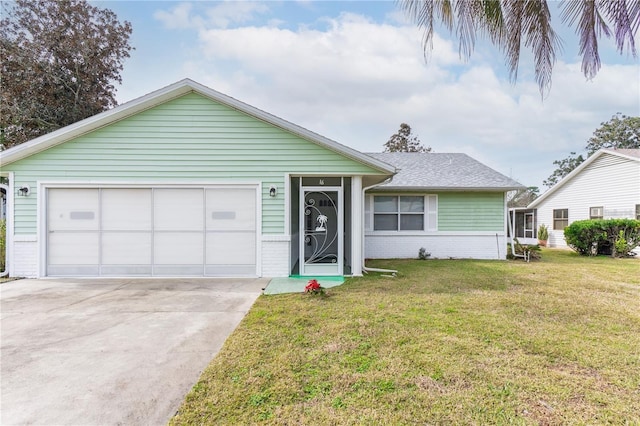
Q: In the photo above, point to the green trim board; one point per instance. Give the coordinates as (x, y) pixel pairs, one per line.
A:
(471, 211)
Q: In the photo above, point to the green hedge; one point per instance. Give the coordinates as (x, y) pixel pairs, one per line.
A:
(615, 236)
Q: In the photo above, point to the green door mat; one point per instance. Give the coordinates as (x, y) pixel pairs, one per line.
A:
(296, 284)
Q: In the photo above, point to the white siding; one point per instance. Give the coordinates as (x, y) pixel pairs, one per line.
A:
(275, 256)
(610, 181)
(443, 245)
(25, 258)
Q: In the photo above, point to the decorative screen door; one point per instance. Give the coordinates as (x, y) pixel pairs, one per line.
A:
(321, 226)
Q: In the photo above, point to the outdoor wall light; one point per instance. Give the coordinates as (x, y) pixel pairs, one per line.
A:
(273, 191)
(23, 191)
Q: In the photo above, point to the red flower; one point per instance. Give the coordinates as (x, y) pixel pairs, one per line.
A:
(312, 286)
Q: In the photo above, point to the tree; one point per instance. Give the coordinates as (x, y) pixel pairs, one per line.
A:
(60, 61)
(509, 24)
(404, 141)
(523, 197)
(618, 133)
(565, 167)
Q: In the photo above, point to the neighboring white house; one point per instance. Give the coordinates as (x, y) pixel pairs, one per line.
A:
(605, 186)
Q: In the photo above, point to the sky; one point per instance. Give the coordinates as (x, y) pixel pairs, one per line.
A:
(353, 71)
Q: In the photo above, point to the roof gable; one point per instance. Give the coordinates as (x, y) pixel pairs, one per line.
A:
(628, 154)
(442, 171)
(167, 94)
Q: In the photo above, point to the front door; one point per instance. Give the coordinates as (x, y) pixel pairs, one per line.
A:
(321, 242)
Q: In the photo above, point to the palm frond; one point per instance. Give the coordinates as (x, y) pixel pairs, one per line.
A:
(625, 16)
(513, 15)
(542, 39)
(590, 25)
(466, 28)
(424, 13)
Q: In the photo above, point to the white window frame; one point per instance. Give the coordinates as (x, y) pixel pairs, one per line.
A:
(429, 213)
(563, 219)
(599, 212)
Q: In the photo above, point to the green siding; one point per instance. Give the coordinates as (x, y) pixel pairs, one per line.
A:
(471, 211)
(189, 139)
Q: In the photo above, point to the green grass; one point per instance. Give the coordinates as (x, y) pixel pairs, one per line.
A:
(446, 342)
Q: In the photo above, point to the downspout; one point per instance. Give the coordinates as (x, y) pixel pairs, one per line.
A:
(6, 235)
(393, 272)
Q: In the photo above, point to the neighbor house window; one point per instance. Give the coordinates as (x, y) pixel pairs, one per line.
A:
(404, 212)
(596, 212)
(560, 219)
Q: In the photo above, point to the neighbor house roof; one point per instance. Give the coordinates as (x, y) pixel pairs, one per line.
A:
(625, 152)
(435, 171)
(166, 94)
(630, 154)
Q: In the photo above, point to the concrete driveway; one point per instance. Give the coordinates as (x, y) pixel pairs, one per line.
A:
(111, 351)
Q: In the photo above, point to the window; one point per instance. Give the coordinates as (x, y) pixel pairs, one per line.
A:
(596, 212)
(404, 213)
(560, 219)
(637, 211)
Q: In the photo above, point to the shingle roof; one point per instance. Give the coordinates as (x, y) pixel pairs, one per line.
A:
(431, 171)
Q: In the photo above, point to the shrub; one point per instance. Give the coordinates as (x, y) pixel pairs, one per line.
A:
(423, 254)
(543, 233)
(597, 236)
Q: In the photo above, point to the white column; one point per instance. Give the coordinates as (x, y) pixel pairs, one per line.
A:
(357, 225)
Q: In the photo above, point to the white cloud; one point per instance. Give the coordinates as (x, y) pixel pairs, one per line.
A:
(355, 80)
(222, 15)
(234, 12)
(179, 17)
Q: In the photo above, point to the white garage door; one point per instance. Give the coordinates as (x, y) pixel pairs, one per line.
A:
(151, 231)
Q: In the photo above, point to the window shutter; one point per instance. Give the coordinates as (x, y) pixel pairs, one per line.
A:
(432, 213)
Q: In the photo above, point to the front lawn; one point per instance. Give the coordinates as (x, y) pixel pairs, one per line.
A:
(446, 342)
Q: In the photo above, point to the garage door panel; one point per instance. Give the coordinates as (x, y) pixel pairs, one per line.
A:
(74, 248)
(229, 270)
(126, 248)
(73, 270)
(231, 209)
(73, 209)
(231, 248)
(178, 209)
(178, 248)
(126, 209)
(178, 270)
(125, 270)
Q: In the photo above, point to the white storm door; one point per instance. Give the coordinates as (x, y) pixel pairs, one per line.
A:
(73, 237)
(231, 232)
(321, 236)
